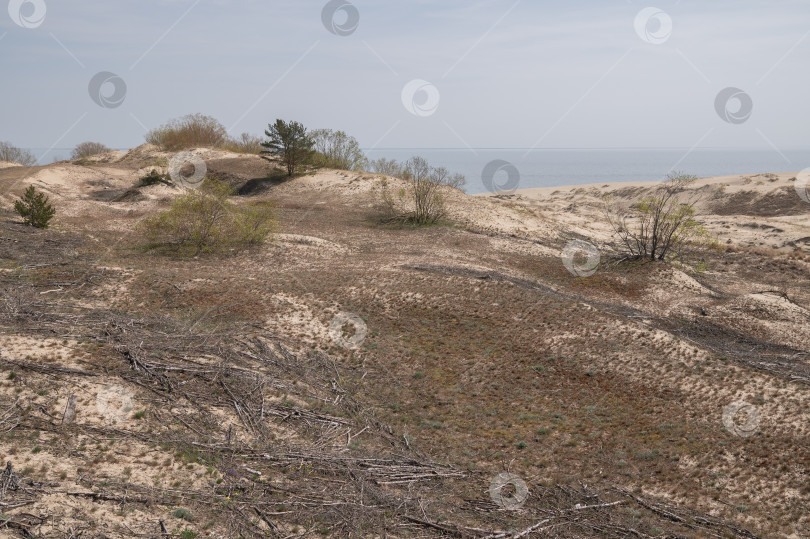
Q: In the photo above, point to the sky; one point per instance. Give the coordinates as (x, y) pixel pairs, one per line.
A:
(413, 74)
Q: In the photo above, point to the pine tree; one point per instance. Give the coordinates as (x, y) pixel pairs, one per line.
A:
(291, 142)
(33, 207)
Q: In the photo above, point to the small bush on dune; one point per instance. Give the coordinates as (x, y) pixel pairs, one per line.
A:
(190, 131)
(86, 149)
(154, 177)
(33, 207)
(205, 221)
(12, 154)
(246, 143)
(422, 201)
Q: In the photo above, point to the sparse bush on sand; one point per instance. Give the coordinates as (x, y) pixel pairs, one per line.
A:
(246, 143)
(205, 221)
(201, 131)
(421, 202)
(336, 149)
(33, 207)
(86, 149)
(12, 154)
(190, 131)
(659, 226)
(291, 142)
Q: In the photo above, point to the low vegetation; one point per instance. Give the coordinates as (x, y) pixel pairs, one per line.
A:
(34, 208)
(246, 143)
(154, 177)
(190, 131)
(12, 154)
(88, 149)
(205, 221)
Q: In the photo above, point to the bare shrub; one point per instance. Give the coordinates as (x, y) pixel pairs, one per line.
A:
(205, 221)
(336, 149)
(422, 201)
(389, 167)
(246, 143)
(659, 226)
(190, 131)
(12, 154)
(86, 149)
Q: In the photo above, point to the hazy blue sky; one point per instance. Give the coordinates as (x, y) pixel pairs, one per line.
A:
(529, 73)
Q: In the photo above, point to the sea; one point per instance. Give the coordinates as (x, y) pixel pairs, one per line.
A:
(503, 170)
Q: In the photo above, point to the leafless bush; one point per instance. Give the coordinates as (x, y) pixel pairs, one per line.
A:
(336, 149)
(190, 131)
(422, 201)
(12, 154)
(246, 143)
(661, 225)
(86, 149)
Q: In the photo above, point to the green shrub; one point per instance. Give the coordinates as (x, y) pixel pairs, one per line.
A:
(190, 131)
(33, 207)
(86, 149)
(154, 177)
(183, 514)
(12, 154)
(205, 221)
